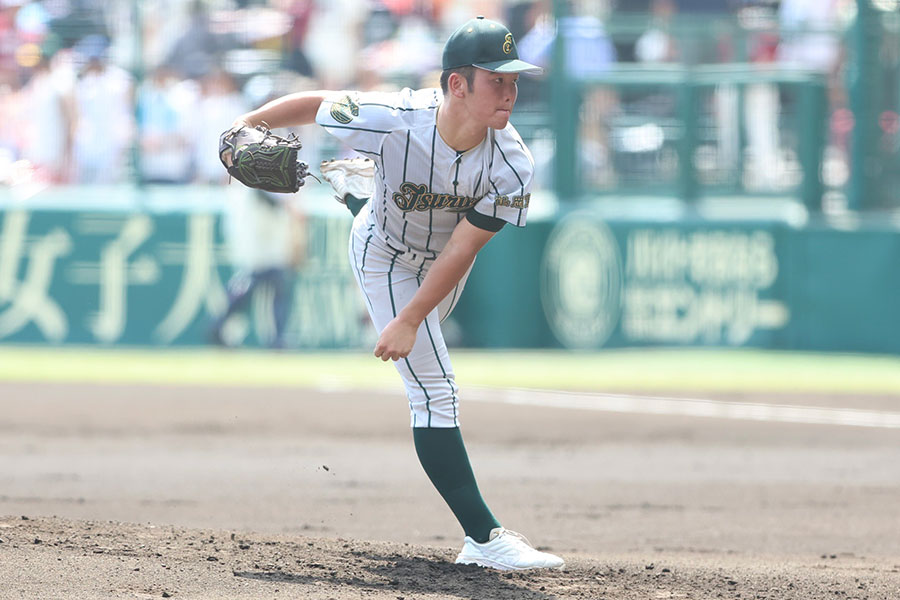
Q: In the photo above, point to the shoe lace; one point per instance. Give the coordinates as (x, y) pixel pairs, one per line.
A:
(516, 535)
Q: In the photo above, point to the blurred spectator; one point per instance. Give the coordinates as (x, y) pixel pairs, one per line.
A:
(761, 117)
(519, 16)
(105, 126)
(301, 12)
(11, 124)
(48, 119)
(808, 40)
(657, 45)
(165, 109)
(811, 39)
(380, 24)
(761, 156)
(219, 101)
(72, 20)
(589, 50)
(366, 44)
(449, 14)
(403, 59)
(265, 239)
(9, 43)
(32, 21)
(197, 52)
(334, 41)
(809, 34)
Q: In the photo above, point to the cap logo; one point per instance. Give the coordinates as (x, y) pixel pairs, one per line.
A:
(507, 43)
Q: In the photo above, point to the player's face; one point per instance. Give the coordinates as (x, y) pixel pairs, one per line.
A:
(493, 97)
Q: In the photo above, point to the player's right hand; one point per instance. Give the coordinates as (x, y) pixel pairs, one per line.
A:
(396, 340)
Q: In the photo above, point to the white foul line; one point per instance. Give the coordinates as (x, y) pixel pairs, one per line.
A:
(689, 407)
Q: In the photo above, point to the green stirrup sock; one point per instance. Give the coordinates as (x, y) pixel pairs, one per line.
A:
(443, 456)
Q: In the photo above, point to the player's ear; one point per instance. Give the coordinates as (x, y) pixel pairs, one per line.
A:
(457, 85)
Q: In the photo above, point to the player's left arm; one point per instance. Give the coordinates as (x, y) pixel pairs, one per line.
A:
(397, 339)
(288, 111)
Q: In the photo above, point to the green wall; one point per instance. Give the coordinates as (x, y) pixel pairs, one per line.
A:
(151, 273)
(147, 275)
(583, 281)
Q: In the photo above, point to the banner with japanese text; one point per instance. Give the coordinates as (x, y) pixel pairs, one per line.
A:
(586, 281)
(579, 281)
(144, 278)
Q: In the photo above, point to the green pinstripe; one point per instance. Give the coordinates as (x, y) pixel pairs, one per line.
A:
(440, 364)
(430, 181)
(405, 162)
(358, 269)
(521, 183)
(406, 360)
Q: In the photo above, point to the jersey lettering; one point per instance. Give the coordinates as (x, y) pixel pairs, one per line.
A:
(416, 197)
(521, 201)
(514, 202)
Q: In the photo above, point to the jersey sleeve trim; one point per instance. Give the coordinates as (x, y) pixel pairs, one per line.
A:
(482, 221)
(509, 179)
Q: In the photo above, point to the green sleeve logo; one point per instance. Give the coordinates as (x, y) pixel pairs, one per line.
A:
(344, 110)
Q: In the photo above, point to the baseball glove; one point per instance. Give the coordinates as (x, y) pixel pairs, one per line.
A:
(260, 159)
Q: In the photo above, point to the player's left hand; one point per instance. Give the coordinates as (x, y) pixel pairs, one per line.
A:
(396, 340)
(260, 159)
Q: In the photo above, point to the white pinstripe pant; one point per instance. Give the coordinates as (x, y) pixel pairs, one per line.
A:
(388, 280)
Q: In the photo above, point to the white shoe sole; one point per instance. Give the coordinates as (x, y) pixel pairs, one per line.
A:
(490, 564)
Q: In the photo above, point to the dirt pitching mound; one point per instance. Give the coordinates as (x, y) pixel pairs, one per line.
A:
(55, 558)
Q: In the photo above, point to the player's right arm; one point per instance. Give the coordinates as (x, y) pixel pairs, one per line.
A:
(288, 111)
(398, 337)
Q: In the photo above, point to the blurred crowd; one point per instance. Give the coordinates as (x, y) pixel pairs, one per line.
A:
(103, 91)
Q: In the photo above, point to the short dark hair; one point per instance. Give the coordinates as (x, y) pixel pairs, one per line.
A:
(467, 72)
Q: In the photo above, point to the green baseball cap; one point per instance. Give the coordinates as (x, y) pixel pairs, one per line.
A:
(487, 45)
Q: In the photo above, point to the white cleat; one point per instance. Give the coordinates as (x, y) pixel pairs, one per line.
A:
(353, 176)
(506, 551)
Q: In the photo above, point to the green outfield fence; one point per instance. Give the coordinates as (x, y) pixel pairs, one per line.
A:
(715, 120)
(112, 266)
(678, 131)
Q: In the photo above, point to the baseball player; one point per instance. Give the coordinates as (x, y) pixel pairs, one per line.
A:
(450, 171)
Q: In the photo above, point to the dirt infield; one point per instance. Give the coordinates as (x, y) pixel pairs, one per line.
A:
(248, 493)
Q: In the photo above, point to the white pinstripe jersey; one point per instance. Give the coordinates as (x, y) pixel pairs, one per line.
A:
(423, 187)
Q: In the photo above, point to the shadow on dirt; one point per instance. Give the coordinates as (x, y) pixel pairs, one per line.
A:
(414, 575)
